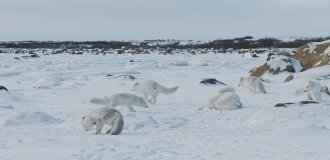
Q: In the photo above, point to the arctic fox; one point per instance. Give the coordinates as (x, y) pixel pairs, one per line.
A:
(103, 116)
(150, 90)
(252, 83)
(226, 99)
(314, 91)
(125, 99)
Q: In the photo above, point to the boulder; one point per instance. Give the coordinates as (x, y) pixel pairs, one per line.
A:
(289, 78)
(277, 64)
(314, 54)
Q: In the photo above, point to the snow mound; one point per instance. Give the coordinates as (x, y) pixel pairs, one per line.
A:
(139, 121)
(145, 65)
(260, 117)
(7, 100)
(175, 122)
(28, 118)
(200, 62)
(46, 83)
(179, 63)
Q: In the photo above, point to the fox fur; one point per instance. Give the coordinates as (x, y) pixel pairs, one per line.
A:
(121, 99)
(252, 83)
(104, 116)
(151, 89)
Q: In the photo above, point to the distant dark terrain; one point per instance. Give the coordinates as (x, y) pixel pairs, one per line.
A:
(147, 46)
(236, 43)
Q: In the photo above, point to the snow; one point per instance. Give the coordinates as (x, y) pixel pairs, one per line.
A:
(49, 95)
(28, 118)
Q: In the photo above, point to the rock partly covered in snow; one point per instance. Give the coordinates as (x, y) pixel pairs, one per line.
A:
(314, 54)
(278, 64)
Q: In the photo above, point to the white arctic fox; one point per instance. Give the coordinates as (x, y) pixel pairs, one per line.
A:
(313, 90)
(150, 90)
(103, 116)
(226, 99)
(125, 99)
(252, 83)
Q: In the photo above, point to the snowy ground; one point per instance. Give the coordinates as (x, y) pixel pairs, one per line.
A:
(41, 118)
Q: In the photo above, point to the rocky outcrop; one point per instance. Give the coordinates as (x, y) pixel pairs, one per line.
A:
(277, 64)
(314, 54)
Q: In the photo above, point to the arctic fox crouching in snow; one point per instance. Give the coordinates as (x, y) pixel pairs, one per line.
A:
(150, 90)
(314, 91)
(226, 99)
(252, 83)
(125, 99)
(103, 116)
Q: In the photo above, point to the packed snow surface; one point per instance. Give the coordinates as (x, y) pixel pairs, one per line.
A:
(41, 116)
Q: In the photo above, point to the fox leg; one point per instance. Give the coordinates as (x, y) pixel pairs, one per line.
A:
(130, 107)
(153, 99)
(99, 126)
(146, 98)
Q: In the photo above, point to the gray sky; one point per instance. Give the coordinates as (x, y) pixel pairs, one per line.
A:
(153, 19)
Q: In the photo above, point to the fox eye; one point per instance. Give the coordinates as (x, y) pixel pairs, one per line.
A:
(83, 117)
(94, 123)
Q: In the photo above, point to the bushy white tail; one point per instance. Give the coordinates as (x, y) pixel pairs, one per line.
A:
(165, 90)
(117, 126)
(100, 101)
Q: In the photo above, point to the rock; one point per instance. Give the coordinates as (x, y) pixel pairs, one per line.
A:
(314, 54)
(289, 78)
(211, 81)
(3, 88)
(276, 65)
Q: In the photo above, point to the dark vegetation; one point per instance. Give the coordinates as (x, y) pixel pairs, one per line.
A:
(237, 43)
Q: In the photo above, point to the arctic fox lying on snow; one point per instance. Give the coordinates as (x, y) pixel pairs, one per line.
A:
(151, 89)
(103, 116)
(126, 99)
(252, 83)
(226, 99)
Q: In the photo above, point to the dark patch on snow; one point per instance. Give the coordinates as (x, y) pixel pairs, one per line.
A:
(211, 81)
(3, 88)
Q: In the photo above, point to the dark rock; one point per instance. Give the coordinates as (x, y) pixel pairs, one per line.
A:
(3, 88)
(289, 78)
(211, 81)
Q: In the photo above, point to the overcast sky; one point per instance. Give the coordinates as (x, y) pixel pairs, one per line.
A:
(165, 19)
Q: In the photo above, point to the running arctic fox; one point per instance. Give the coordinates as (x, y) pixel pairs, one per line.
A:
(253, 84)
(121, 99)
(150, 90)
(103, 116)
(226, 99)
